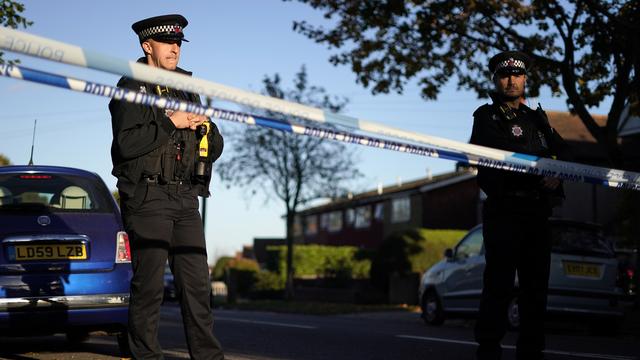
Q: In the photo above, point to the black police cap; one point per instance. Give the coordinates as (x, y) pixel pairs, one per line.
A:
(164, 27)
(509, 62)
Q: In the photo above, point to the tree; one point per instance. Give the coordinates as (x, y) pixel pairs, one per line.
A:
(4, 160)
(10, 17)
(295, 169)
(589, 48)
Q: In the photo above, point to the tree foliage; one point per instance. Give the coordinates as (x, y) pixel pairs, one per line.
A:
(589, 48)
(295, 169)
(4, 160)
(11, 16)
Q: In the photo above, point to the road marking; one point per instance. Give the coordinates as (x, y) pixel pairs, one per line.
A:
(511, 347)
(217, 318)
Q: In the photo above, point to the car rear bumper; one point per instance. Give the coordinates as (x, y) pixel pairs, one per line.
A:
(43, 315)
(64, 302)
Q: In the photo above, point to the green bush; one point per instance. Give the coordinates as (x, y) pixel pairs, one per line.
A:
(347, 262)
(267, 281)
(220, 267)
(410, 251)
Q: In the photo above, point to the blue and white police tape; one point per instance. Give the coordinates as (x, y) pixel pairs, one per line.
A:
(630, 180)
(24, 43)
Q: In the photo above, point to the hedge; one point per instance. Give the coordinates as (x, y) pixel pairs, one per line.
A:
(411, 251)
(320, 261)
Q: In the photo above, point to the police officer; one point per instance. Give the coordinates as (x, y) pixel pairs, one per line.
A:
(160, 176)
(516, 211)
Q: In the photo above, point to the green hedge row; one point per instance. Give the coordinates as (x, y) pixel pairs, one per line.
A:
(321, 261)
(411, 251)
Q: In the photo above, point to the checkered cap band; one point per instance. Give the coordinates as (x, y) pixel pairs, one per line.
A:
(510, 63)
(161, 29)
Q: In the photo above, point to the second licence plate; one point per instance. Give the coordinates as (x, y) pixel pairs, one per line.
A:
(581, 269)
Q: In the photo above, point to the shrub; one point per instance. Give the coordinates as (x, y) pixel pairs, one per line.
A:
(346, 262)
(410, 251)
(220, 267)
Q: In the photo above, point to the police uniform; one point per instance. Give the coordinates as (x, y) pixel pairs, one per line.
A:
(515, 220)
(155, 164)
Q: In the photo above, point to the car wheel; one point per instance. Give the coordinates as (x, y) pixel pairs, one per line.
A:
(432, 311)
(76, 337)
(123, 345)
(513, 315)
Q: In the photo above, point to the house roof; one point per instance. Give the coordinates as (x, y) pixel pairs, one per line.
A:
(419, 185)
(571, 128)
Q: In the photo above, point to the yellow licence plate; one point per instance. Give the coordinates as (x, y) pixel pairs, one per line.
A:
(581, 269)
(51, 252)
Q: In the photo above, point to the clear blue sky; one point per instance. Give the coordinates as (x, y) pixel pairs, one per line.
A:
(235, 43)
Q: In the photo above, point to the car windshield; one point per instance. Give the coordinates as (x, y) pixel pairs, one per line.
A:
(52, 192)
(580, 241)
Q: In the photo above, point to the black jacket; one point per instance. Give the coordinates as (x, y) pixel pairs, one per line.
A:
(526, 132)
(139, 130)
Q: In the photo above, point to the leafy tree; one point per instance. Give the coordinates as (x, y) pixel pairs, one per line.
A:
(4, 160)
(589, 48)
(10, 16)
(295, 169)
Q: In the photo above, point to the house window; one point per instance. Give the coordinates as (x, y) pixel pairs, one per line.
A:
(350, 217)
(335, 221)
(400, 210)
(378, 214)
(324, 221)
(297, 226)
(363, 217)
(311, 226)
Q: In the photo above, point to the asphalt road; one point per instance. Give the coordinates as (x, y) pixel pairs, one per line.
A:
(266, 336)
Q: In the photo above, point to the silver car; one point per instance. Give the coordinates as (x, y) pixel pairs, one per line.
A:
(582, 277)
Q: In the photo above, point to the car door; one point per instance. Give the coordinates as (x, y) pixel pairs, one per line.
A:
(464, 280)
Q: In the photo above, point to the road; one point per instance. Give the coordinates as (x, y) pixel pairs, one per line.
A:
(391, 335)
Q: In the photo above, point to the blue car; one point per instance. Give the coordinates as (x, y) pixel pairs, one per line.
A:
(65, 262)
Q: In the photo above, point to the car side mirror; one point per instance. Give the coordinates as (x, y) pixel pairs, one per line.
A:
(448, 254)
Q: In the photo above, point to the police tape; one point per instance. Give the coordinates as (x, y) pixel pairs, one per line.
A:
(565, 170)
(24, 43)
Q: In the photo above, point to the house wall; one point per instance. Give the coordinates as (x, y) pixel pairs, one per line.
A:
(454, 206)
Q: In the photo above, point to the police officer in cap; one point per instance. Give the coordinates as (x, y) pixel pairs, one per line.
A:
(516, 211)
(160, 176)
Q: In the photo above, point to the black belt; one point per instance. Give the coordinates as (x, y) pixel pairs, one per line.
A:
(157, 180)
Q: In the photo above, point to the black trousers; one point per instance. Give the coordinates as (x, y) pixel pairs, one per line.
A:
(163, 224)
(516, 239)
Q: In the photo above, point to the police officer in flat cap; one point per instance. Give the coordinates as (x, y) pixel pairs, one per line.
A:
(161, 173)
(517, 237)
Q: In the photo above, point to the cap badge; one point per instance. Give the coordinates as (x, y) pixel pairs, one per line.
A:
(516, 131)
(177, 29)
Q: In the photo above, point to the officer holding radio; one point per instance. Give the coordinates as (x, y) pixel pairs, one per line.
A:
(163, 161)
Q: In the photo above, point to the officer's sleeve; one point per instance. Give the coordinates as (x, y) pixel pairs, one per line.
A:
(486, 133)
(137, 129)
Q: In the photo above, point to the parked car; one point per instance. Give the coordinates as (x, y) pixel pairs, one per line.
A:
(65, 259)
(628, 272)
(169, 284)
(582, 278)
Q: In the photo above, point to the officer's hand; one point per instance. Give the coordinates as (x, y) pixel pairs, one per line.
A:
(181, 119)
(550, 183)
(195, 120)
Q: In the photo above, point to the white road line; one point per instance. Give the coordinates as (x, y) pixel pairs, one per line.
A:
(511, 347)
(218, 318)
